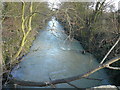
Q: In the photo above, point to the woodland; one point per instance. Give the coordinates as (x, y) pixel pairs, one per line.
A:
(96, 25)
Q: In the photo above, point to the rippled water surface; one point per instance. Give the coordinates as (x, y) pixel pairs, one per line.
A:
(54, 56)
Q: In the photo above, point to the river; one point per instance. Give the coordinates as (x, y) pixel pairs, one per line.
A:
(54, 56)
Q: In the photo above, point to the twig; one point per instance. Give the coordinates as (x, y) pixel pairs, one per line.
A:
(73, 85)
(94, 79)
(4, 72)
(110, 50)
(115, 68)
(52, 85)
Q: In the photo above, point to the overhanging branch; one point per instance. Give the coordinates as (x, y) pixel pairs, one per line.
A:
(115, 68)
(64, 80)
(110, 50)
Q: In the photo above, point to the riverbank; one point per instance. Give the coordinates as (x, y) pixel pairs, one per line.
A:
(12, 37)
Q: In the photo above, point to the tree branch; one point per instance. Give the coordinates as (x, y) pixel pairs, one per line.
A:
(115, 68)
(73, 85)
(110, 50)
(23, 18)
(65, 80)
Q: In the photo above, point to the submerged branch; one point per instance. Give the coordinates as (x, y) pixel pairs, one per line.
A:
(73, 85)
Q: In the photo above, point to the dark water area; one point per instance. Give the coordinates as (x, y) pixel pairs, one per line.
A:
(53, 55)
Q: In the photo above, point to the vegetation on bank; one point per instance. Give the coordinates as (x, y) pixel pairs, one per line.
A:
(21, 23)
(96, 29)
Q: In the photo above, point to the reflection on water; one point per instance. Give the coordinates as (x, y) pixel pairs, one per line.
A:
(53, 56)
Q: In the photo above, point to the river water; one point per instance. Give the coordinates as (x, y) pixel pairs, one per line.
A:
(54, 56)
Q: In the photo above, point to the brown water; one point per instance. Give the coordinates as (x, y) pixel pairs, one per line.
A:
(53, 56)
